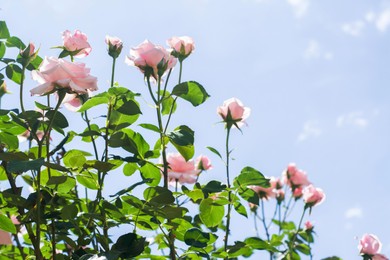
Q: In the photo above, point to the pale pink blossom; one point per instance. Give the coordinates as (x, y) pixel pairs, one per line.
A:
(203, 163)
(295, 177)
(78, 42)
(72, 102)
(369, 244)
(152, 60)
(313, 196)
(58, 73)
(297, 193)
(182, 46)
(233, 112)
(181, 170)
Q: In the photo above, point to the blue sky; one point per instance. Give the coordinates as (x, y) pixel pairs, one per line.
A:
(314, 73)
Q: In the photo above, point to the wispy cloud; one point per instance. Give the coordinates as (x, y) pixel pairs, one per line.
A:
(380, 21)
(355, 212)
(354, 28)
(300, 7)
(310, 129)
(354, 118)
(315, 51)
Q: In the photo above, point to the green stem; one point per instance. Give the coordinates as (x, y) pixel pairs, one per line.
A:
(299, 227)
(229, 191)
(180, 70)
(263, 219)
(113, 72)
(21, 89)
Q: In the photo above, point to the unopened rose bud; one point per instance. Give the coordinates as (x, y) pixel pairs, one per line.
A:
(115, 46)
(28, 54)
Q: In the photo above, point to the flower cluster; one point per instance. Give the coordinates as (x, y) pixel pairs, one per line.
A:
(183, 171)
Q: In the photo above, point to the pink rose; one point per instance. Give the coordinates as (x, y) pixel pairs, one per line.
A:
(182, 46)
(297, 193)
(180, 169)
(203, 163)
(313, 196)
(369, 244)
(280, 195)
(77, 43)
(233, 112)
(72, 102)
(115, 46)
(5, 238)
(379, 257)
(294, 177)
(270, 192)
(58, 73)
(308, 225)
(152, 60)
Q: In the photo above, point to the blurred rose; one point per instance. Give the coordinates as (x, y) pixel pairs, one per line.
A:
(180, 169)
(203, 163)
(313, 196)
(297, 193)
(115, 46)
(369, 244)
(76, 43)
(379, 257)
(294, 177)
(182, 46)
(55, 72)
(5, 238)
(308, 225)
(280, 195)
(152, 60)
(233, 112)
(270, 192)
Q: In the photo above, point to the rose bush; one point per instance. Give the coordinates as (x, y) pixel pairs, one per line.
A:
(55, 205)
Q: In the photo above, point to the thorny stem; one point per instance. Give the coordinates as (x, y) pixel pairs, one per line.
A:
(229, 191)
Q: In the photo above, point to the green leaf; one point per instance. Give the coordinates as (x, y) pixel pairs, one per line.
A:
(75, 158)
(59, 120)
(4, 33)
(250, 176)
(213, 187)
(130, 168)
(196, 238)
(24, 166)
(214, 151)
(14, 73)
(158, 195)
(62, 184)
(303, 248)
(88, 180)
(34, 64)
(167, 104)
(129, 107)
(151, 172)
(191, 91)
(151, 127)
(240, 209)
(211, 213)
(259, 244)
(2, 49)
(7, 225)
(69, 212)
(92, 102)
(11, 141)
(183, 140)
(129, 245)
(15, 42)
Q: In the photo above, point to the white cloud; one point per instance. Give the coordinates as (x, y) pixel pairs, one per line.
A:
(354, 119)
(315, 51)
(383, 20)
(310, 129)
(355, 212)
(300, 7)
(353, 28)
